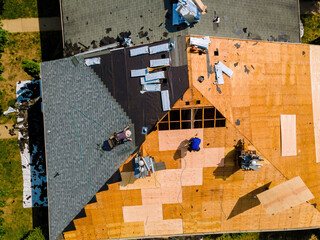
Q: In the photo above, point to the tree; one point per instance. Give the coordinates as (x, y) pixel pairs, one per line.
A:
(32, 68)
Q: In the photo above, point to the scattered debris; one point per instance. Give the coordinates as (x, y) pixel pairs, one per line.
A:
(255, 44)
(303, 52)
(108, 30)
(219, 69)
(237, 45)
(236, 64)
(10, 110)
(246, 70)
(252, 67)
(201, 79)
(237, 122)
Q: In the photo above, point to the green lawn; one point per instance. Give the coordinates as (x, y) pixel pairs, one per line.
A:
(16, 221)
(13, 9)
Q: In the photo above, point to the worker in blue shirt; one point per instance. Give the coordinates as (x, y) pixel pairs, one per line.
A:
(194, 143)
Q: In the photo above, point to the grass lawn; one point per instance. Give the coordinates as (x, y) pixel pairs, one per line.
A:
(13, 9)
(17, 220)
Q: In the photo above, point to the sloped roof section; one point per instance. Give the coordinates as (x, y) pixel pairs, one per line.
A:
(79, 114)
(90, 25)
(285, 196)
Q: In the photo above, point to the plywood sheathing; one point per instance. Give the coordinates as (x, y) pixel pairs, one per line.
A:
(288, 135)
(277, 81)
(315, 84)
(285, 196)
(206, 208)
(203, 208)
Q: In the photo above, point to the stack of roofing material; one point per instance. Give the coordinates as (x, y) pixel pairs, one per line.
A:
(139, 72)
(160, 62)
(188, 10)
(159, 48)
(143, 166)
(165, 100)
(139, 51)
(200, 42)
(220, 68)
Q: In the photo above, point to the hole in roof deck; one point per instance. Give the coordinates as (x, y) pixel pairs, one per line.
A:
(219, 115)
(163, 126)
(216, 53)
(197, 124)
(185, 125)
(209, 124)
(186, 114)
(220, 123)
(174, 125)
(198, 102)
(209, 113)
(175, 115)
(197, 114)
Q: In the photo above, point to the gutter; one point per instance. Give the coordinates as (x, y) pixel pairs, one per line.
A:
(61, 21)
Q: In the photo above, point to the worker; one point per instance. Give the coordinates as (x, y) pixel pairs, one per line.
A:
(124, 135)
(194, 144)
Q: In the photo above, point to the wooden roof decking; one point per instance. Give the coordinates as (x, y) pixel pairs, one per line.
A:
(278, 83)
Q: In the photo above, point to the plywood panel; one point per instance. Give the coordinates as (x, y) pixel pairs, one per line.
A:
(129, 182)
(192, 176)
(288, 135)
(163, 195)
(177, 139)
(165, 227)
(284, 196)
(206, 157)
(142, 213)
(315, 84)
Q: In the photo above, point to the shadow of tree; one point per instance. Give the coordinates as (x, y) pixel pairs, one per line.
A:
(248, 201)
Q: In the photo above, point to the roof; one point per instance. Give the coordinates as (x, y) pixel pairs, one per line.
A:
(79, 115)
(145, 110)
(206, 192)
(92, 25)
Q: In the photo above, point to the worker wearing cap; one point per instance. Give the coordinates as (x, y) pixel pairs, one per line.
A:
(194, 143)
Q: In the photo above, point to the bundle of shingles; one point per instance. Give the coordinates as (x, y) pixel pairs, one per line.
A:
(187, 11)
(150, 77)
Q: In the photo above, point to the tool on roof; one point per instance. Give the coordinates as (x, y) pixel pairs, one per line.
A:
(248, 160)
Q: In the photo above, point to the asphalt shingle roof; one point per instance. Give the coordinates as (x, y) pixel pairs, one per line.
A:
(85, 22)
(79, 114)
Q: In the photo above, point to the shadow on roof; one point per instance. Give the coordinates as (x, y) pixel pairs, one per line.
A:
(248, 201)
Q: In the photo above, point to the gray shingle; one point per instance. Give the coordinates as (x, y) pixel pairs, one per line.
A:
(261, 18)
(79, 114)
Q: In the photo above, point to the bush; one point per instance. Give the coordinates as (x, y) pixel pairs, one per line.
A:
(11, 102)
(36, 234)
(32, 68)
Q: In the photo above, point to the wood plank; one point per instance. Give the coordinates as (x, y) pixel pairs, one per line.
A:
(285, 196)
(315, 84)
(288, 135)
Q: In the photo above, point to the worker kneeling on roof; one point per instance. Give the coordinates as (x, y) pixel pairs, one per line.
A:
(194, 144)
